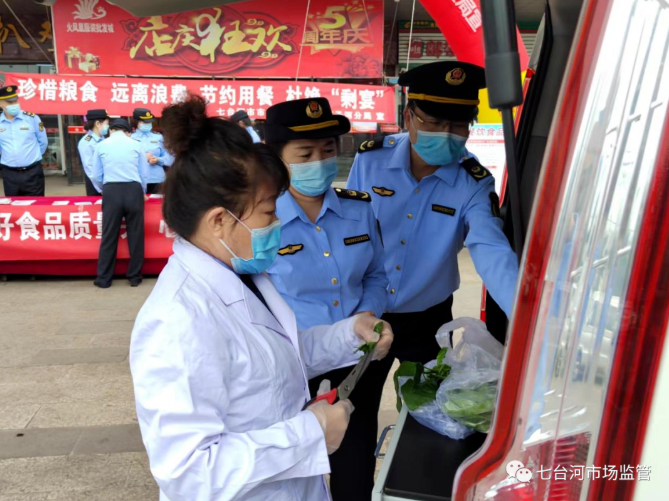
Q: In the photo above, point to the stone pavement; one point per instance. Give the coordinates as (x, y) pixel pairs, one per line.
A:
(68, 430)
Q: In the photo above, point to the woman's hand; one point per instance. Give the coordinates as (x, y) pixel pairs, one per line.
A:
(333, 419)
(364, 329)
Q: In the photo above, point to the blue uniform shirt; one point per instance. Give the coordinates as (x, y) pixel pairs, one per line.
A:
(152, 142)
(333, 268)
(22, 140)
(254, 135)
(425, 224)
(119, 159)
(86, 147)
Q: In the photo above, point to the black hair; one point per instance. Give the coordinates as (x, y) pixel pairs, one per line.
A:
(216, 165)
(90, 124)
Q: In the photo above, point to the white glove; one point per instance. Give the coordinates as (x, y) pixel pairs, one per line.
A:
(364, 329)
(332, 418)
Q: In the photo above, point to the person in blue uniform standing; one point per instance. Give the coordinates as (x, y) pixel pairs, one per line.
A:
(432, 197)
(330, 266)
(152, 142)
(22, 144)
(120, 172)
(97, 127)
(242, 119)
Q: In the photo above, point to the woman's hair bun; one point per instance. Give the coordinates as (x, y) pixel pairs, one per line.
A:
(185, 124)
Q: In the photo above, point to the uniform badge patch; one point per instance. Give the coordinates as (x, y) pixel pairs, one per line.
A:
(356, 240)
(494, 205)
(383, 192)
(456, 76)
(475, 169)
(314, 109)
(41, 127)
(291, 249)
(88, 138)
(449, 211)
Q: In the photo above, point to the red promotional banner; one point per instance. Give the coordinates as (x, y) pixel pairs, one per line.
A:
(462, 25)
(53, 94)
(57, 235)
(258, 38)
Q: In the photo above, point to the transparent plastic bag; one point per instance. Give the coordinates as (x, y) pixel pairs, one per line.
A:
(468, 394)
(432, 417)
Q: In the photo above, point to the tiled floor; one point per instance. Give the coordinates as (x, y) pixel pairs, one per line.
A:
(68, 430)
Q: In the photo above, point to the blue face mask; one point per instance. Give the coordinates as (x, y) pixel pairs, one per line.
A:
(145, 127)
(313, 178)
(439, 148)
(265, 243)
(104, 130)
(13, 109)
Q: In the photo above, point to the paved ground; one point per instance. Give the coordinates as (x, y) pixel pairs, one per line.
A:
(68, 430)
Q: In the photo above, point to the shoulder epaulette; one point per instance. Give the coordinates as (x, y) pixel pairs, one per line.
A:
(372, 144)
(475, 169)
(155, 132)
(353, 195)
(29, 113)
(88, 138)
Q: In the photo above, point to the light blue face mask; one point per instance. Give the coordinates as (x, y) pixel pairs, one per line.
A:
(145, 127)
(265, 243)
(104, 130)
(313, 178)
(13, 109)
(439, 148)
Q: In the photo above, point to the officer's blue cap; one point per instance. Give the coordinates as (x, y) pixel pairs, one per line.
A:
(8, 93)
(303, 119)
(446, 89)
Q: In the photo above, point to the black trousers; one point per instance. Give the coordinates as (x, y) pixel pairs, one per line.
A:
(121, 200)
(353, 464)
(90, 189)
(153, 188)
(27, 182)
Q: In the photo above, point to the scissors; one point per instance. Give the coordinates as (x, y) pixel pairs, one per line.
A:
(344, 390)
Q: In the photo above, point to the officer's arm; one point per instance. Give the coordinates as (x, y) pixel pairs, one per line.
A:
(143, 167)
(164, 158)
(355, 176)
(40, 132)
(494, 260)
(374, 283)
(97, 172)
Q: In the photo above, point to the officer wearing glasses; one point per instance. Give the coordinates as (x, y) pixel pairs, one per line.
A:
(432, 197)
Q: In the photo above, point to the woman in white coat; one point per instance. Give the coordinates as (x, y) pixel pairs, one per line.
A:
(219, 368)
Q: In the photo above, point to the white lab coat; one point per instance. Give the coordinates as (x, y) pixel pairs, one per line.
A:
(220, 383)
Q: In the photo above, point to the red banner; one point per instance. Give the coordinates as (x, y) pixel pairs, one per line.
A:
(48, 235)
(462, 25)
(54, 95)
(259, 38)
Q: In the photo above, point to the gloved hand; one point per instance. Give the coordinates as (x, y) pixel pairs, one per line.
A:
(332, 418)
(364, 329)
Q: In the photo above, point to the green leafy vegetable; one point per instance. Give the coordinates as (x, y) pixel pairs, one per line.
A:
(367, 348)
(378, 328)
(422, 388)
(473, 408)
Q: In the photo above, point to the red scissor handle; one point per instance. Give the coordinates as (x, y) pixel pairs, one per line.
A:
(330, 397)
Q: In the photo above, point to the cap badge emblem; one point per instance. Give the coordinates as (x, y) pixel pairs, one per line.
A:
(10, 89)
(314, 109)
(456, 76)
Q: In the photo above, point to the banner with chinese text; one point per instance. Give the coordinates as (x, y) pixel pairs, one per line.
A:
(58, 95)
(43, 235)
(257, 38)
(462, 25)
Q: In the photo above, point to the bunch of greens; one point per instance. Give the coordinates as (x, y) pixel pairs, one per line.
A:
(422, 388)
(472, 408)
(369, 347)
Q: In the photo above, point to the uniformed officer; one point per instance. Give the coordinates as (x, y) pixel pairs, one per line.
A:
(22, 144)
(431, 197)
(152, 142)
(242, 119)
(121, 168)
(330, 266)
(97, 127)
